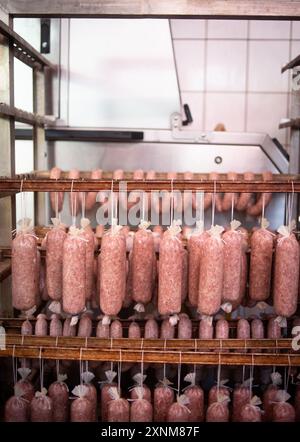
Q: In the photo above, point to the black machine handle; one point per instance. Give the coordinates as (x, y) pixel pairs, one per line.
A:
(188, 115)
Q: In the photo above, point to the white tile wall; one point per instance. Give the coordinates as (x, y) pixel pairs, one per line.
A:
(227, 29)
(226, 65)
(265, 29)
(264, 112)
(296, 29)
(265, 61)
(190, 64)
(188, 28)
(217, 111)
(233, 72)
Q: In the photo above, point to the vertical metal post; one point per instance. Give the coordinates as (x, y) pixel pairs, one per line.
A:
(294, 167)
(7, 163)
(39, 143)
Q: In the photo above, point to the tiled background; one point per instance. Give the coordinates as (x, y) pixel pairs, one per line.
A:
(230, 72)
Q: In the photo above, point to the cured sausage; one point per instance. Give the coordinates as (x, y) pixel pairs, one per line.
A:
(56, 198)
(170, 273)
(23, 269)
(56, 328)
(151, 329)
(142, 266)
(269, 398)
(195, 404)
(41, 408)
(17, 409)
(241, 396)
(74, 280)
(283, 412)
(178, 412)
(162, 401)
(68, 329)
(263, 199)
(85, 326)
(26, 328)
(134, 331)
(81, 407)
(222, 329)
(274, 329)
(228, 197)
(41, 325)
(74, 196)
(206, 329)
(217, 412)
(261, 244)
(211, 273)
(112, 268)
(232, 266)
(244, 199)
(23, 387)
(102, 330)
(184, 327)
(141, 411)
(167, 330)
(59, 393)
(257, 329)
(250, 413)
(90, 242)
(243, 329)
(140, 391)
(195, 244)
(116, 331)
(216, 394)
(286, 274)
(54, 259)
(118, 408)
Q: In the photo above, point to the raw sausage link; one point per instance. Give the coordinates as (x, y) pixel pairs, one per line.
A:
(85, 326)
(54, 261)
(286, 276)
(283, 412)
(105, 399)
(68, 329)
(112, 268)
(260, 264)
(102, 330)
(23, 269)
(250, 413)
(274, 329)
(170, 275)
(206, 329)
(82, 410)
(142, 266)
(232, 267)
(211, 276)
(134, 331)
(185, 271)
(56, 328)
(241, 397)
(41, 325)
(269, 398)
(74, 289)
(167, 330)
(178, 413)
(116, 331)
(88, 235)
(217, 412)
(195, 244)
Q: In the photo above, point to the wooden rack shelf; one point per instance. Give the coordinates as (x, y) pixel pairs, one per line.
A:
(80, 349)
(89, 185)
(23, 50)
(23, 116)
(5, 269)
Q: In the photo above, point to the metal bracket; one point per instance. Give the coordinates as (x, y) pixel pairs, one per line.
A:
(190, 136)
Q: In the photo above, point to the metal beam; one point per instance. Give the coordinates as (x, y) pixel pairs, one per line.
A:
(154, 8)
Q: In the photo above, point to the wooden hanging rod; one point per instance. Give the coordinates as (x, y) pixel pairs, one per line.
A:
(168, 357)
(89, 185)
(148, 344)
